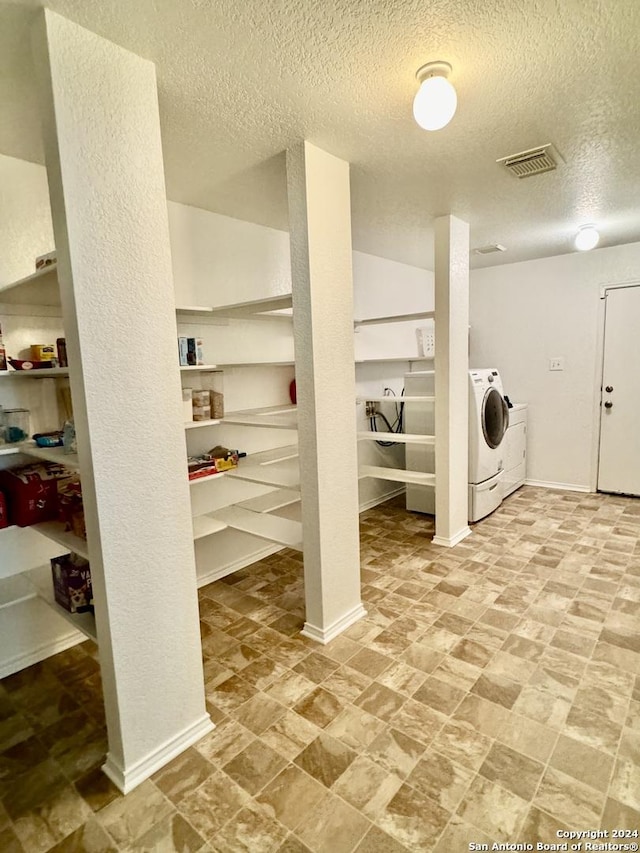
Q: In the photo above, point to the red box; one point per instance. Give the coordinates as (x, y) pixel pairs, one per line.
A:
(4, 516)
(72, 583)
(32, 492)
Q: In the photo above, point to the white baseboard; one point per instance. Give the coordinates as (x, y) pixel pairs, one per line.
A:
(452, 540)
(567, 487)
(126, 779)
(236, 565)
(325, 635)
(382, 498)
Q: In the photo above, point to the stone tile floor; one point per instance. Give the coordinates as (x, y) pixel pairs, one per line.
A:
(491, 694)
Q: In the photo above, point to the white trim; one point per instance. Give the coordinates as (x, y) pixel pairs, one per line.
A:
(46, 650)
(126, 779)
(567, 487)
(393, 493)
(453, 540)
(325, 635)
(632, 282)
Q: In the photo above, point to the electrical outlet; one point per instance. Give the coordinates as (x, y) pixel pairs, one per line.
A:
(556, 363)
(370, 409)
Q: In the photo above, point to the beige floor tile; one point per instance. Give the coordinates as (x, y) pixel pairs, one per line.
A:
(250, 830)
(92, 838)
(377, 841)
(346, 683)
(289, 734)
(588, 765)
(497, 688)
(367, 786)
(289, 796)
(128, 818)
(619, 816)
(542, 707)
(172, 835)
(380, 701)
(625, 784)
(493, 809)
(395, 751)
(290, 688)
(325, 759)
(441, 779)
(457, 836)
(512, 770)
(402, 678)
(414, 819)
(459, 742)
(529, 737)
(568, 800)
(225, 742)
(183, 774)
(333, 826)
(439, 695)
(418, 721)
(482, 715)
(539, 827)
(355, 727)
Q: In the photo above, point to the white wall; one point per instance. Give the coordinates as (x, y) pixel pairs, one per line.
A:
(526, 313)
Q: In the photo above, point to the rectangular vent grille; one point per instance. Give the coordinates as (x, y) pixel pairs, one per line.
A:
(532, 162)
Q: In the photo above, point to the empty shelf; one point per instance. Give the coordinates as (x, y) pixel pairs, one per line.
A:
(268, 475)
(254, 307)
(55, 530)
(273, 417)
(188, 368)
(23, 549)
(396, 358)
(273, 500)
(84, 622)
(40, 288)
(205, 525)
(398, 475)
(194, 424)
(271, 527)
(397, 318)
(391, 399)
(400, 437)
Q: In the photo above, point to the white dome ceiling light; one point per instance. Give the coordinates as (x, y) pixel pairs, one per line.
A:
(587, 238)
(435, 102)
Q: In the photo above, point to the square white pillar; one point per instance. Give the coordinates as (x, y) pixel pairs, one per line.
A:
(320, 235)
(451, 385)
(106, 180)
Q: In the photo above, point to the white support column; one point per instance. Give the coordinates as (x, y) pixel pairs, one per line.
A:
(320, 235)
(452, 392)
(104, 158)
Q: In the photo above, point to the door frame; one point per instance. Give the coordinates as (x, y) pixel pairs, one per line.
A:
(599, 375)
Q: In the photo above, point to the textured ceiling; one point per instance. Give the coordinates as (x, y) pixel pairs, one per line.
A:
(239, 82)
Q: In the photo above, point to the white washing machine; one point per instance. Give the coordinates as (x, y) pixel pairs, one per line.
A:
(488, 422)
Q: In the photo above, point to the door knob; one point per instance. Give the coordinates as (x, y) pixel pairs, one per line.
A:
(608, 404)
(609, 389)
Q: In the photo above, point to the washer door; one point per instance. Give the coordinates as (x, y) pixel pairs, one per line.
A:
(495, 417)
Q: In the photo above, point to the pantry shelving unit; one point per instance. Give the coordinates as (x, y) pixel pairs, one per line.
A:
(266, 482)
(410, 439)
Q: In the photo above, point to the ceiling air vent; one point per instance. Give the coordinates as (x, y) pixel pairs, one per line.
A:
(535, 161)
(489, 250)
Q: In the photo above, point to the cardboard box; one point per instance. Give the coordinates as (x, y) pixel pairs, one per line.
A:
(182, 352)
(72, 583)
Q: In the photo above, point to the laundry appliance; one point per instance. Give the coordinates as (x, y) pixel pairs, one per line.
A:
(488, 422)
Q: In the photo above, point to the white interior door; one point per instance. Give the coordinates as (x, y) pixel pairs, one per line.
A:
(619, 464)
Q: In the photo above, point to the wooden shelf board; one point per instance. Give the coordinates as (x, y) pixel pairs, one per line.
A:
(398, 475)
(40, 288)
(265, 526)
(273, 500)
(206, 525)
(395, 318)
(392, 399)
(196, 424)
(400, 437)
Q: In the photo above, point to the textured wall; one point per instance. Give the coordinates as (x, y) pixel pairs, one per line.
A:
(107, 189)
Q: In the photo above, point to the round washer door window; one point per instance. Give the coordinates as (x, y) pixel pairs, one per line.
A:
(495, 417)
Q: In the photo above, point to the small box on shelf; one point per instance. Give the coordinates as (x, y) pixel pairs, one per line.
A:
(72, 588)
(206, 395)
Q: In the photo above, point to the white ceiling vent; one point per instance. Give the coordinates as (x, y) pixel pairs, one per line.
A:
(489, 250)
(535, 161)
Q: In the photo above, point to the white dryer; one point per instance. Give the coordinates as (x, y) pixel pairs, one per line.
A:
(488, 422)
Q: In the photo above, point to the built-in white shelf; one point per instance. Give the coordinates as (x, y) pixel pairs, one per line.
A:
(265, 526)
(252, 308)
(23, 549)
(395, 318)
(52, 454)
(191, 368)
(207, 477)
(392, 399)
(398, 475)
(276, 499)
(44, 373)
(196, 424)
(11, 449)
(411, 359)
(40, 288)
(206, 525)
(273, 417)
(278, 468)
(257, 364)
(55, 530)
(84, 622)
(400, 437)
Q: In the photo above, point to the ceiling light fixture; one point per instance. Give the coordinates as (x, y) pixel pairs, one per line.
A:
(587, 238)
(435, 102)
